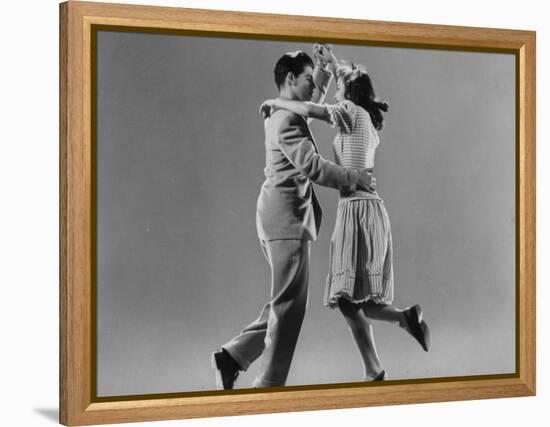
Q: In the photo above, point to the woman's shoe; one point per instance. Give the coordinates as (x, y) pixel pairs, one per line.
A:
(381, 376)
(415, 325)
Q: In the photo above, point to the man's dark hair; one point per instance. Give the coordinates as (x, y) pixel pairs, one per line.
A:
(295, 62)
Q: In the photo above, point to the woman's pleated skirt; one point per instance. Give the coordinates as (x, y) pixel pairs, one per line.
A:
(361, 265)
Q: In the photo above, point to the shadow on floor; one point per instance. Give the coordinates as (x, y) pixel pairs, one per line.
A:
(50, 413)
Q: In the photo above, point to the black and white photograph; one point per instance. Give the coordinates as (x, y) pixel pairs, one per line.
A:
(283, 213)
(238, 213)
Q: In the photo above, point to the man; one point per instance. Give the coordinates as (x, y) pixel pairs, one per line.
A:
(288, 218)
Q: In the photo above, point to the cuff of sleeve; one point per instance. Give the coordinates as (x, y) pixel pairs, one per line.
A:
(354, 179)
(333, 115)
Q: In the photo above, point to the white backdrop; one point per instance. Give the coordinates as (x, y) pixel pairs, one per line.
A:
(29, 214)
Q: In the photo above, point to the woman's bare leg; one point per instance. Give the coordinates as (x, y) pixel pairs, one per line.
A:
(409, 319)
(384, 312)
(361, 330)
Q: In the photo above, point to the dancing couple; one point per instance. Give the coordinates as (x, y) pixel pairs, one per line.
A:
(288, 217)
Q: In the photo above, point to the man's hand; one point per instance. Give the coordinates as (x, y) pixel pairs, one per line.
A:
(366, 180)
(268, 108)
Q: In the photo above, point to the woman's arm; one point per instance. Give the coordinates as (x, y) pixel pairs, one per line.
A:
(307, 109)
(333, 64)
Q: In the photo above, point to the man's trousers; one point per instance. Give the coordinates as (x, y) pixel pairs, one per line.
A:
(275, 332)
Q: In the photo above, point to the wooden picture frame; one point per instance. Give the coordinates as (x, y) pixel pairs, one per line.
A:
(79, 404)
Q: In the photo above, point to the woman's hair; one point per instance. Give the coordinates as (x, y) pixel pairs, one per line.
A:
(294, 62)
(360, 91)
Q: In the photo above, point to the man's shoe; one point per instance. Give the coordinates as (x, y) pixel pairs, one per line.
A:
(227, 369)
(415, 325)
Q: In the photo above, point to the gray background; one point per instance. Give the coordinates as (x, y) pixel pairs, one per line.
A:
(180, 163)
